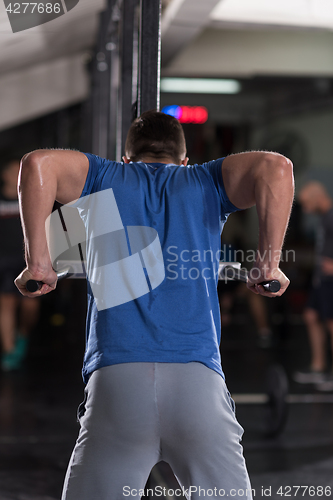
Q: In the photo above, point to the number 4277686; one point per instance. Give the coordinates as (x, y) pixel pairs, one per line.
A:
(292, 491)
(34, 8)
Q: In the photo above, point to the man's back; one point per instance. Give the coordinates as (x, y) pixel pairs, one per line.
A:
(165, 306)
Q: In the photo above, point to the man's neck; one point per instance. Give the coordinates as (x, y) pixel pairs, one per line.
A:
(152, 159)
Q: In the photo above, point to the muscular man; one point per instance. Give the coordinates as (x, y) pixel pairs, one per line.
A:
(155, 387)
(319, 310)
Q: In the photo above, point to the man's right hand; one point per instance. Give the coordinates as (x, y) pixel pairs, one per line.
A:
(48, 277)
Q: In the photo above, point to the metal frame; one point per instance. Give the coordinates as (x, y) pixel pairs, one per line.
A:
(101, 82)
(149, 56)
(125, 72)
(128, 88)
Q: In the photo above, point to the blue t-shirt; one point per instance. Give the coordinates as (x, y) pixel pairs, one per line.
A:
(153, 262)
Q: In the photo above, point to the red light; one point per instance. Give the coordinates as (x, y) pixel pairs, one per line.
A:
(201, 114)
(193, 114)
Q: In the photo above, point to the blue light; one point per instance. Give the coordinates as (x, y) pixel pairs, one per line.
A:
(173, 110)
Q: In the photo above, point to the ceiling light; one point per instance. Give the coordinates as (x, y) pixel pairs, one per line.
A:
(200, 85)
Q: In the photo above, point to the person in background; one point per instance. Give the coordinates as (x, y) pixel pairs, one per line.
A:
(18, 315)
(318, 314)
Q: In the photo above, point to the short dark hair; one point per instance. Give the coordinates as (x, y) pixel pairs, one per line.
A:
(155, 134)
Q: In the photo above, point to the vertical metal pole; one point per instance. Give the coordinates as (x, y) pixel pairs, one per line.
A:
(101, 87)
(105, 82)
(103, 67)
(150, 56)
(117, 85)
(128, 86)
(113, 110)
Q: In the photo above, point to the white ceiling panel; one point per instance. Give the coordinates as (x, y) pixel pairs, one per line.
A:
(247, 53)
(298, 13)
(41, 89)
(66, 35)
(42, 69)
(182, 21)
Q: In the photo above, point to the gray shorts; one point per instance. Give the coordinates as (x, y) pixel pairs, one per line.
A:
(137, 414)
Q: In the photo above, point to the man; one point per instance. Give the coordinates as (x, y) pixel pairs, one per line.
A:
(155, 388)
(319, 310)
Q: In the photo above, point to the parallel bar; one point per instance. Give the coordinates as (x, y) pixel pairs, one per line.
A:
(235, 274)
(242, 275)
(150, 56)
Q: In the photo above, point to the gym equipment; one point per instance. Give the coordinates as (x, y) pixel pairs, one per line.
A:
(229, 271)
(125, 73)
(34, 285)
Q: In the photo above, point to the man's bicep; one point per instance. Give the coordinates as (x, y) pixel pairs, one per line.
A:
(239, 174)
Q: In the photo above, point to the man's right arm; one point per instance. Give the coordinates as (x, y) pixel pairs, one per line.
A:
(266, 181)
(45, 176)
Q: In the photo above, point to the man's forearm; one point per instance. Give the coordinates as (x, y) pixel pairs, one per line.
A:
(37, 193)
(274, 192)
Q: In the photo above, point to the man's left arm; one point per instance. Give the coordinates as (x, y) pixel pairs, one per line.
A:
(266, 181)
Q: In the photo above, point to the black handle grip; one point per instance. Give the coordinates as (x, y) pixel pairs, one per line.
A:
(272, 286)
(34, 285)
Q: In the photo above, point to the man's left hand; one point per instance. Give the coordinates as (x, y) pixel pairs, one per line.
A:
(263, 273)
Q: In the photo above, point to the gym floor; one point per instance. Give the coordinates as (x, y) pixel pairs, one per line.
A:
(38, 410)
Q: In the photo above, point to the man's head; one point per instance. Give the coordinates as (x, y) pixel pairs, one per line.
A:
(314, 198)
(155, 136)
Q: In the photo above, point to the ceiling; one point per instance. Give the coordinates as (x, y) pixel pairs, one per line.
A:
(67, 35)
(248, 38)
(43, 68)
(292, 13)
